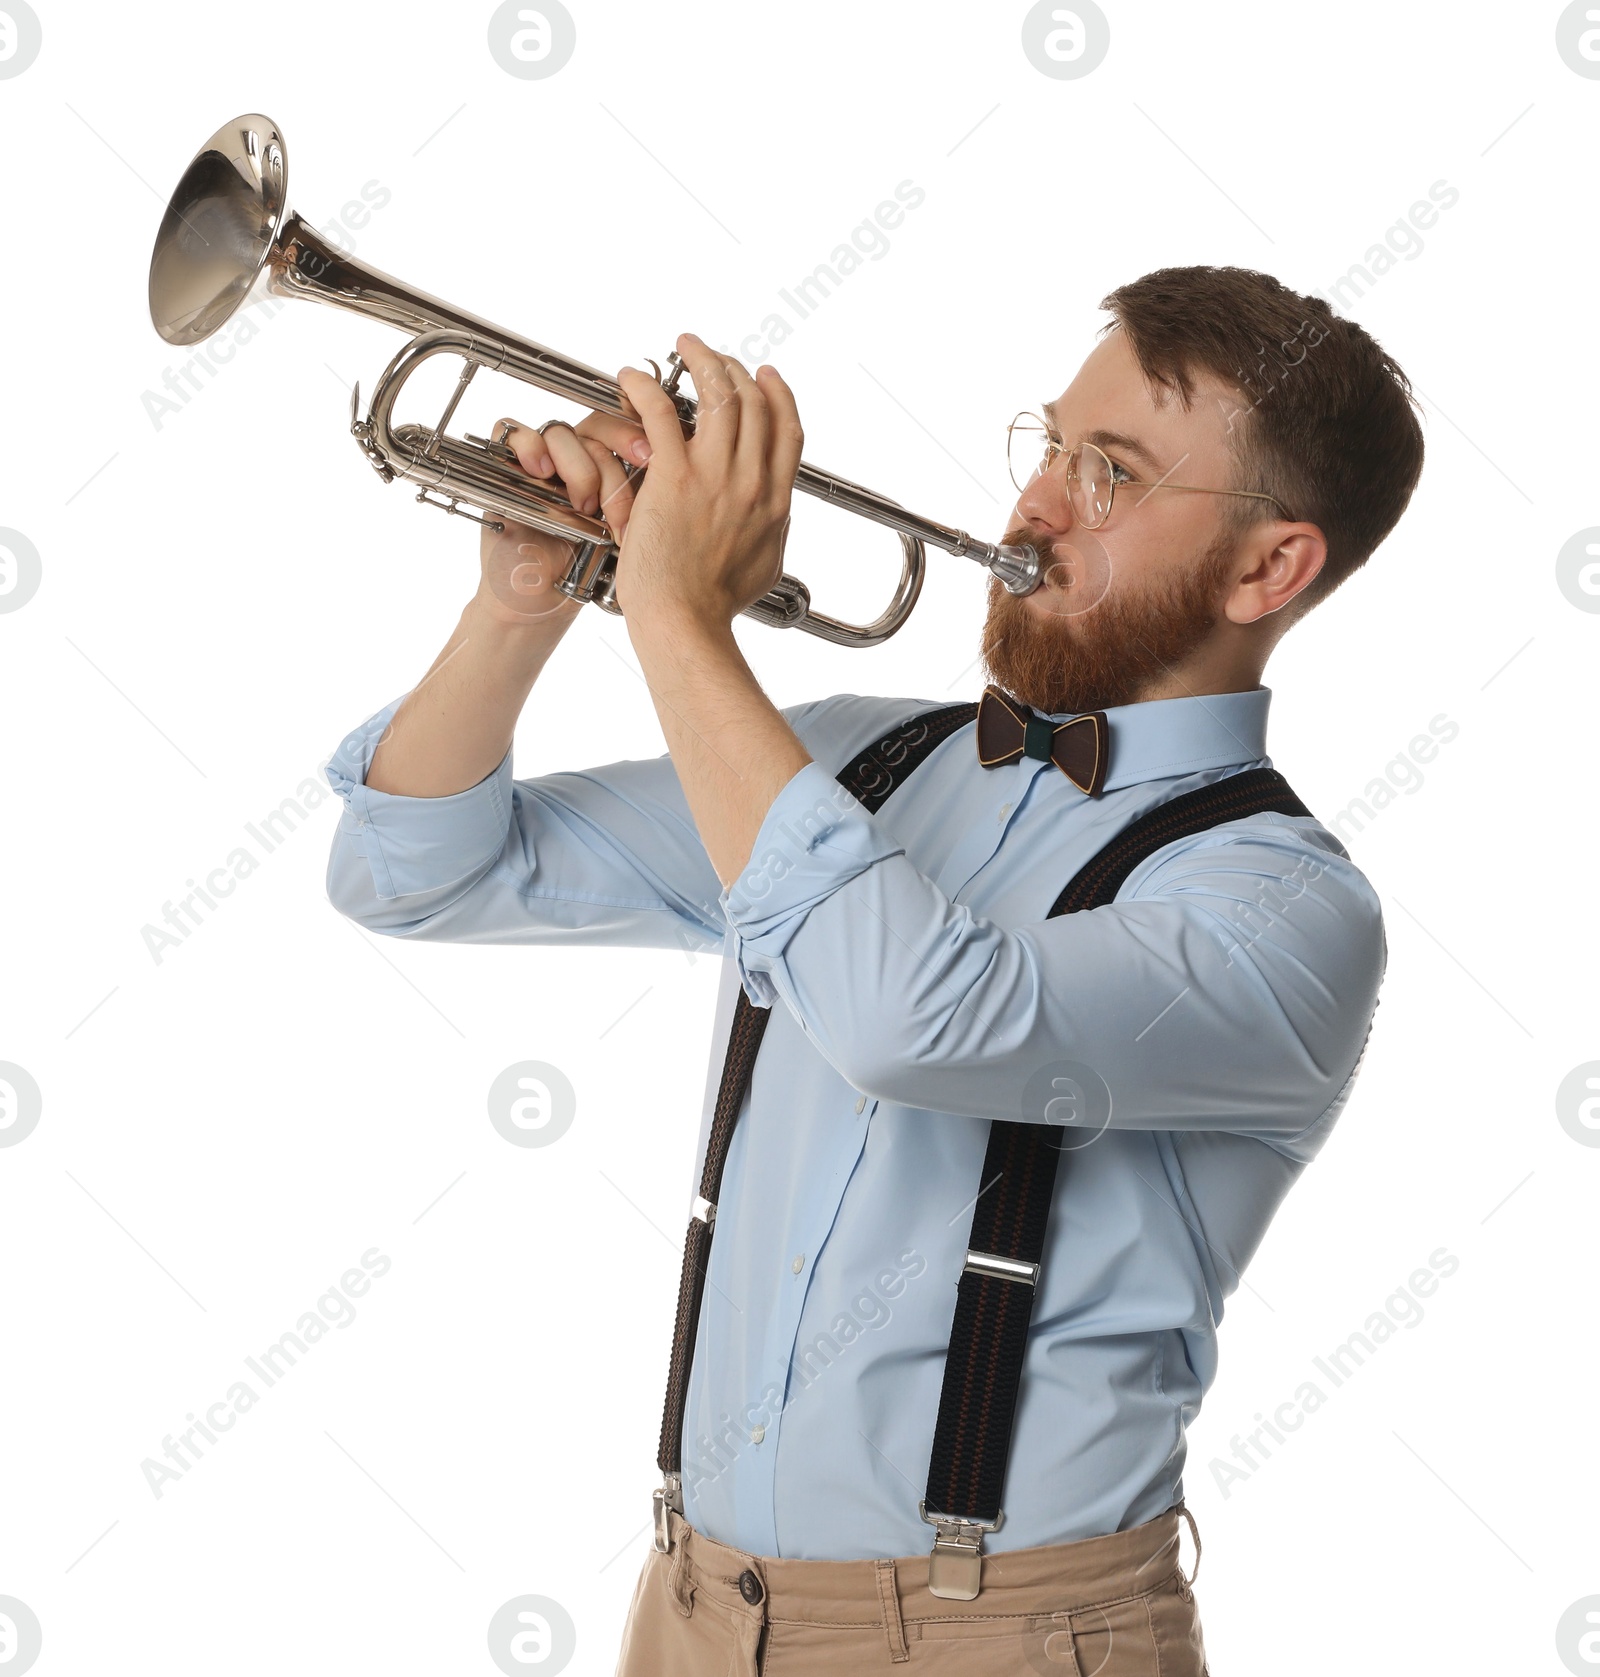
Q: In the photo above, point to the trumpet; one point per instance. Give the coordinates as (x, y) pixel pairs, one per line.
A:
(228, 236)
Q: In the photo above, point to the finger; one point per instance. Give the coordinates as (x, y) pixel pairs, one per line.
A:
(750, 452)
(616, 491)
(716, 398)
(787, 435)
(622, 436)
(576, 466)
(528, 446)
(658, 414)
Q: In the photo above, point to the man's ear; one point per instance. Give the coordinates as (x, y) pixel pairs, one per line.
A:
(1281, 561)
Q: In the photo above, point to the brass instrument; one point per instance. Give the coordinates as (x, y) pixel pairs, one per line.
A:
(228, 233)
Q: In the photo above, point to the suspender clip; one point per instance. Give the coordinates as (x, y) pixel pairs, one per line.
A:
(955, 1566)
(1001, 1268)
(669, 1494)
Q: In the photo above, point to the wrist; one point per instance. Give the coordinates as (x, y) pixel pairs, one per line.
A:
(677, 627)
(525, 635)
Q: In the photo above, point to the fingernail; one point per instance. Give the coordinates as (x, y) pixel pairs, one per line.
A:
(641, 451)
(546, 467)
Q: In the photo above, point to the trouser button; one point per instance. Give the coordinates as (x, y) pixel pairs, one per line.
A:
(750, 1587)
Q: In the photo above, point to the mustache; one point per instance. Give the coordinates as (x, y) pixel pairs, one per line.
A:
(1074, 566)
(1047, 547)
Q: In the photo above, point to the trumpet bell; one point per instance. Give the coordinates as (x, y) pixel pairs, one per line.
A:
(219, 229)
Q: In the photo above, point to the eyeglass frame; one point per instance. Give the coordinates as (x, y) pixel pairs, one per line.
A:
(1055, 449)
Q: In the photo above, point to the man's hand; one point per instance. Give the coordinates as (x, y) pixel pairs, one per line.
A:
(519, 564)
(519, 570)
(588, 459)
(706, 533)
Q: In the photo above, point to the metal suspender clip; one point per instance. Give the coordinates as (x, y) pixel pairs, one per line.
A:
(1002, 1269)
(956, 1563)
(668, 1495)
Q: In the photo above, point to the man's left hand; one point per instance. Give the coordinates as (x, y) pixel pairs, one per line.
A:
(706, 533)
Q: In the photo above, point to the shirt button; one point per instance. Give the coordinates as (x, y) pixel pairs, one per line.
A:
(861, 1105)
(757, 1434)
(750, 1587)
(799, 1263)
(1005, 810)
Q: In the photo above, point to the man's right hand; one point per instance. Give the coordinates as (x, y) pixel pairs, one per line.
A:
(519, 564)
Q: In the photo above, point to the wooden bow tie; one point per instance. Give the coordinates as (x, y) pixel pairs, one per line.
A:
(1008, 730)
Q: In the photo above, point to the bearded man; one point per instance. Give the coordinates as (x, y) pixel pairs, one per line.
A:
(1036, 1009)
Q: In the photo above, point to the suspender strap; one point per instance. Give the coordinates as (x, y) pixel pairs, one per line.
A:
(744, 1042)
(870, 778)
(995, 1292)
(988, 1345)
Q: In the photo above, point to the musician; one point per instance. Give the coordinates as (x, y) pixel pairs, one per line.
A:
(1228, 454)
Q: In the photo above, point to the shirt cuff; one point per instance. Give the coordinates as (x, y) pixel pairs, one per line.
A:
(416, 844)
(814, 838)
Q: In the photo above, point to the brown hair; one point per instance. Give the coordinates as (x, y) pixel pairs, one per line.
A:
(1325, 422)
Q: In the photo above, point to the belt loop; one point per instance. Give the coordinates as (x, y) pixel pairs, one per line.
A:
(1194, 1532)
(678, 1581)
(1062, 1627)
(893, 1625)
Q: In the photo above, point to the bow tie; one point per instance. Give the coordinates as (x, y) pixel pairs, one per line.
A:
(1008, 730)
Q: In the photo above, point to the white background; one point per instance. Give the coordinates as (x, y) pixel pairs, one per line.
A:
(223, 596)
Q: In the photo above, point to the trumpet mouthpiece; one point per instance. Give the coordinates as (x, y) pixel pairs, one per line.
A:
(1018, 567)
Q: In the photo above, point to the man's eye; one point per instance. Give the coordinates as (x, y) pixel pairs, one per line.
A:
(1119, 472)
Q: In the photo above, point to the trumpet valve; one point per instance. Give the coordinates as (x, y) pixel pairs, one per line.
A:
(592, 576)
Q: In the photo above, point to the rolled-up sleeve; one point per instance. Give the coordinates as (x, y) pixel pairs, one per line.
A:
(413, 845)
(814, 839)
(606, 855)
(1230, 986)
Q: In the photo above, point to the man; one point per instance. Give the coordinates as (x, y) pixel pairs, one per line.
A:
(1227, 455)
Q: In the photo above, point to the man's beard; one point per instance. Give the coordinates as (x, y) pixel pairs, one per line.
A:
(1111, 653)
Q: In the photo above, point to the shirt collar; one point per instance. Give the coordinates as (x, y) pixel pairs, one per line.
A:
(1163, 738)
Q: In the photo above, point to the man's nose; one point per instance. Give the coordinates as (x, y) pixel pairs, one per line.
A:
(1045, 503)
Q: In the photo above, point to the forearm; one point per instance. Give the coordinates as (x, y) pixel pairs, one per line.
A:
(732, 748)
(705, 540)
(456, 724)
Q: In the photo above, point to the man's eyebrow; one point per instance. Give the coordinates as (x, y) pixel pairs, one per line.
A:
(1118, 440)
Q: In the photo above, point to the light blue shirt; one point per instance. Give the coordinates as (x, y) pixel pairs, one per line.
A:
(1221, 1004)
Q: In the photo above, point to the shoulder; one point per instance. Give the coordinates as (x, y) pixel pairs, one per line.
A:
(1286, 876)
(836, 729)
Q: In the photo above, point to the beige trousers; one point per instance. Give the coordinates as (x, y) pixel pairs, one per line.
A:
(1114, 1606)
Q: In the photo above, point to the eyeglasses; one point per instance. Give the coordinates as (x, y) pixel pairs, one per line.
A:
(1093, 477)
